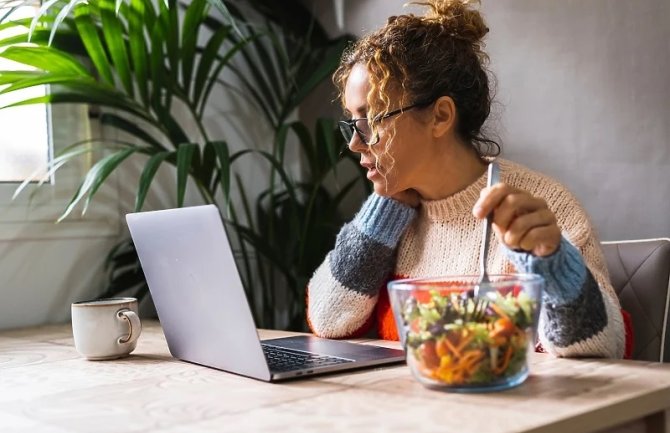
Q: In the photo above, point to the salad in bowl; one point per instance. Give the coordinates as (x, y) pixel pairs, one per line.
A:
(462, 336)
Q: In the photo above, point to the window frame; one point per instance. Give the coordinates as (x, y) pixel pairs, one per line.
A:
(34, 212)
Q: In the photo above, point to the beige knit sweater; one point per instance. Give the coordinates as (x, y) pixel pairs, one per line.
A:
(387, 239)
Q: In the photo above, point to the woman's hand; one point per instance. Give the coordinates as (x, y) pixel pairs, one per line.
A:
(520, 220)
(409, 196)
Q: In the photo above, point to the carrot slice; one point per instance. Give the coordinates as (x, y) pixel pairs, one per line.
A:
(499, 311)
(464, 343)
(505, 363)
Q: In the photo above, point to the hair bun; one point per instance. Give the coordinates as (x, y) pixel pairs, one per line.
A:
(458, 17)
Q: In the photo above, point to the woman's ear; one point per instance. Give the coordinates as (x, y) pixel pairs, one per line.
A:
(444, 121)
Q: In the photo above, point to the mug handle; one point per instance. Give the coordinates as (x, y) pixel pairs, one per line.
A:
(134, 324)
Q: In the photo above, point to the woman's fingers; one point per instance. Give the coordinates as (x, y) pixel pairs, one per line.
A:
(541, 241)
(518, 234)
(514, 206)
(497, 195)
(521, 221)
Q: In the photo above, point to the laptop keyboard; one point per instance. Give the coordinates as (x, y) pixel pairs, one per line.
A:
(281, 359)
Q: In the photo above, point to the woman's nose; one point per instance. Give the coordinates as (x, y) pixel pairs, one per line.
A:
(356, 144)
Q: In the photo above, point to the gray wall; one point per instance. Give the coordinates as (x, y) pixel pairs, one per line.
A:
(582, 95)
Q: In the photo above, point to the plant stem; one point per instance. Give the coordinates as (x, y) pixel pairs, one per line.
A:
(204, 192)
(308, 215)
(179, 93)
(198, 122)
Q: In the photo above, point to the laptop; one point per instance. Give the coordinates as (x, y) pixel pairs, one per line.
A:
(196, 287)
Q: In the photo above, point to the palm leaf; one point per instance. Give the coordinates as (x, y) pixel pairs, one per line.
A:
(40, 79)
(324, 68)
(207, 60)
(157, 66)
(225, 11)
(208, 167)
(185, 153)
(325, 133)
(45, 59)
(270, 97)
(174, 130)
(76, 97)
(223, 61)
(162, 88)
(131, 128)
(266, 75)
(61, 159)
(94, 178)
(62, 15)
(284, 66)
(8, 13)
(114, 34)
(40, 15)
(223, 157)
(65, 40)
(8, 77)
(107, 166)
(89, 36)
(288, 183)
(138, 47)
(169, 21)
(280, 141)
(117, 250)
(305, 141)
(190, 31)
(249, 90)
(147, 177)
(15, 23)
(117, 6)
(262, 246)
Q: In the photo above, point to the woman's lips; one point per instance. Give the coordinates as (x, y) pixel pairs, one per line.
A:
(372, 169)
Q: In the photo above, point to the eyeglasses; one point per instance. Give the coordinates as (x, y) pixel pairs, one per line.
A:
(362, 127)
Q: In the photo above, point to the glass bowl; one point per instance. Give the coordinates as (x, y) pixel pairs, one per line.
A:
(456, 341)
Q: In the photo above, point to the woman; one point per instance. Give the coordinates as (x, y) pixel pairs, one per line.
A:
(418, 94)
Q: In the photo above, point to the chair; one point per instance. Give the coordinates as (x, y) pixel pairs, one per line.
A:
(640, 274)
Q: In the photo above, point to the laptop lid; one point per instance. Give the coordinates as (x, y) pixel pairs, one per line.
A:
(197, 290)
(191, 272)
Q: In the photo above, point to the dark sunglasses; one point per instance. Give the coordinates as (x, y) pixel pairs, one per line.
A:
(362, 127)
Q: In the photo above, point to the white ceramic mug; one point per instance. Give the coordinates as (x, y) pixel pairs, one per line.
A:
(105, 328)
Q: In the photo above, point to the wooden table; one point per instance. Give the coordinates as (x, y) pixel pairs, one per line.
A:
(45, 386)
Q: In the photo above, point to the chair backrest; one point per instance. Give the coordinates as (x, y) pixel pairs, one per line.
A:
(640, 274)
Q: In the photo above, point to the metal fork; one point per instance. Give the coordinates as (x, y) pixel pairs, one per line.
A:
(493, 178)
(478, 313)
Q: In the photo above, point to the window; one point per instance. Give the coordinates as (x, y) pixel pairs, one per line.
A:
(29, 137)
(24, 133)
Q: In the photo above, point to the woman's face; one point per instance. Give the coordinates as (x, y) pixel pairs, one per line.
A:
(394, 163)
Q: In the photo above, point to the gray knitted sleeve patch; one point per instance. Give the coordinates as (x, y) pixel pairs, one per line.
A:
(359, 262)
(577, 320)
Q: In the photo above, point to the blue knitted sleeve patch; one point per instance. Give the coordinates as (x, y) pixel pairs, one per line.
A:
(564, 271)
(384, 219)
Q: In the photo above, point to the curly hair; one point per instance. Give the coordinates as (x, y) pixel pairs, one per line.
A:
(425, 57)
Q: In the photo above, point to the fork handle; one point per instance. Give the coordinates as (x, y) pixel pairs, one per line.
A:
(493, 178)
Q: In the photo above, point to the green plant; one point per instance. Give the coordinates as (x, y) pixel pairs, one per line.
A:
(136, 61)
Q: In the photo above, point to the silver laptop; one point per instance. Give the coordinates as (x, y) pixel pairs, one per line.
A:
(202, 306)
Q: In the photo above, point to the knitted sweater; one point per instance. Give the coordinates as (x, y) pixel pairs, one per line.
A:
(580, 315)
